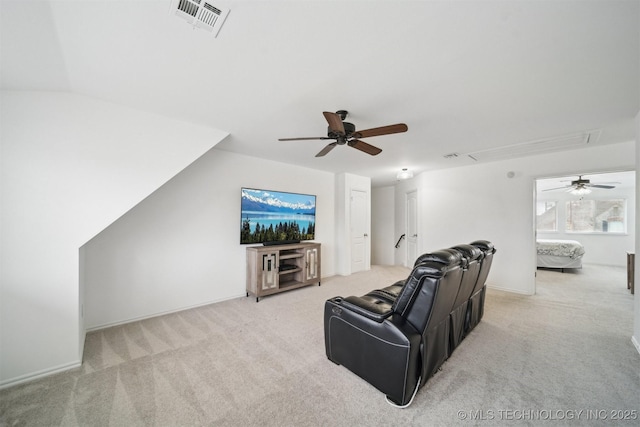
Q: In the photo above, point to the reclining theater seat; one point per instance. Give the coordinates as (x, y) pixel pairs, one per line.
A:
(476, 302)
(459, 313)
(396, 338)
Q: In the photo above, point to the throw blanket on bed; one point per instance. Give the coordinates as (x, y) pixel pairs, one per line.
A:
(568, 248)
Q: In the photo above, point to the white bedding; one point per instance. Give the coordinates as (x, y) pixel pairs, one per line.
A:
(559, 253)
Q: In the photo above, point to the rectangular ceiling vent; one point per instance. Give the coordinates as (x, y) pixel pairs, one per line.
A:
(200, 14)
(541, 146)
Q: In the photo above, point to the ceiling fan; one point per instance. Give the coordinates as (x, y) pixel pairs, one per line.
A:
(583, 186)
(345, 133)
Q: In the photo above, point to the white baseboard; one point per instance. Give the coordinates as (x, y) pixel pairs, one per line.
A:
(513, 291)
(149, 316)
(39, 374)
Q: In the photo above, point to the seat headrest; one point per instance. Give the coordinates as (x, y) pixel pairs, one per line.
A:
(448, 257)
(422, 271)
(484, 245)
(470, 252)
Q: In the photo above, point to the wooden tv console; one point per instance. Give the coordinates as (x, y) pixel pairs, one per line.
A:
(279, 268)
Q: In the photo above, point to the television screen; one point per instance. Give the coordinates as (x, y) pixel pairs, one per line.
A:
(272, 217)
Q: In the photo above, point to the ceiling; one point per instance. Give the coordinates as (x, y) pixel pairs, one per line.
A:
(463, 76)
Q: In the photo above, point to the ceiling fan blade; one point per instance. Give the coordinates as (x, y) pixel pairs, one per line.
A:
(326, 149)
(383, 130)
(363, 146)
(303, 139)
(558, 188)
(335, 122)
(609, 187)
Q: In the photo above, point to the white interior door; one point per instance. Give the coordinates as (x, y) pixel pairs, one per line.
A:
(359, 230)
(412, 228)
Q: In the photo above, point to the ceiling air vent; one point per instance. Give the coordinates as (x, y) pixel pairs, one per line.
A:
(200, 14)
(548, 145)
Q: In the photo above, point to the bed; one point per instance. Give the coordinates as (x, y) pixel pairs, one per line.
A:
(559, 253)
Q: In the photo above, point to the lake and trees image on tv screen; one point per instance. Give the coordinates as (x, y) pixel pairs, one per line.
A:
(272, 216)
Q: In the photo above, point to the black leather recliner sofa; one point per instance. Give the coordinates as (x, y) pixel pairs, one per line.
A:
(476, 302)
(396, 338)
(460, 314)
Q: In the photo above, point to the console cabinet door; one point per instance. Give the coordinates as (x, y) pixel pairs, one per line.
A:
(268, 271)
(312, 264)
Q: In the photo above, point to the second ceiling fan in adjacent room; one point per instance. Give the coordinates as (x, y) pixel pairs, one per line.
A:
(583, 186)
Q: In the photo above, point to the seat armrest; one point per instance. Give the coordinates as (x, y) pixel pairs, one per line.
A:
(371, 308)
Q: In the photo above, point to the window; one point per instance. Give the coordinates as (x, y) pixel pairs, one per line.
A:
(546, 216)
(596, 216)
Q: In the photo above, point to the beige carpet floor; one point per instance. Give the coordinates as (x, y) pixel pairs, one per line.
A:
(563, 357)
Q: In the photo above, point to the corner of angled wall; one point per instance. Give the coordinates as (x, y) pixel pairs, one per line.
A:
(636, 302)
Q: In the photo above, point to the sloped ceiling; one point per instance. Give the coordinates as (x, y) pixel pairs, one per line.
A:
(464, 76)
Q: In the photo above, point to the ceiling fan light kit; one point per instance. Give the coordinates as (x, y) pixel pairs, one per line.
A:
(580, 191)
(345, 133)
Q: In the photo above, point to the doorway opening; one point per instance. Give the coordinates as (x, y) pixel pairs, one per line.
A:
(592, 213)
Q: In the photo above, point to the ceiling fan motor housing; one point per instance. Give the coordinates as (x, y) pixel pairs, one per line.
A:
(580, 181)
(349, 129)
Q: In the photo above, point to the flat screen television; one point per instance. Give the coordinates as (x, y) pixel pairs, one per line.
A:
(276, 217)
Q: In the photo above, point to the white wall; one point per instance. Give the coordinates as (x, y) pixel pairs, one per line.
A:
(70, 166)
(607, 249)
(180, 247)
(382, 231)
(481, 202)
